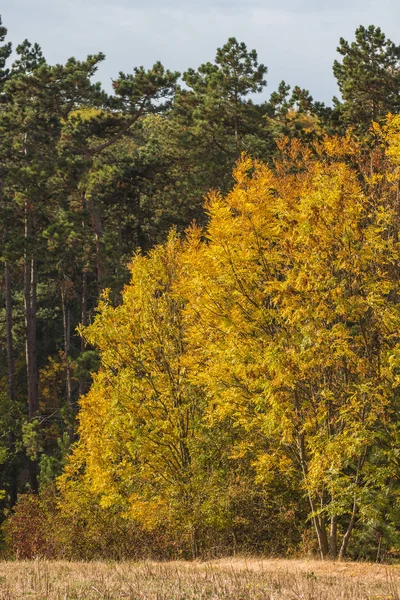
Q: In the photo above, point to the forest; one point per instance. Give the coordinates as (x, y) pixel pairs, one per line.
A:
(199, 308)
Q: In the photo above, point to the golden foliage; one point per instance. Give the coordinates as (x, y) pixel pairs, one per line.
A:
(275, 330)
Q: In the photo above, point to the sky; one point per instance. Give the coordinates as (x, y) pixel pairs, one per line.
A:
(295, 39)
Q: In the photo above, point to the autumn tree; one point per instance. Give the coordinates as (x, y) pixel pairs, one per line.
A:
(295, 319)
(141, 420)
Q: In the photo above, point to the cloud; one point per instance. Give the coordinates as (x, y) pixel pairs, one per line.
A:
(234, 6)
(296, 39)
(314, 6)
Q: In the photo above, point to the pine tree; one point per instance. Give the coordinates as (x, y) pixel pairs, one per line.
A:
(216, 108)
(368, 77)
(5, 53)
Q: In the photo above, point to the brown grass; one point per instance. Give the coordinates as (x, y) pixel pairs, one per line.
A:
(236, 579)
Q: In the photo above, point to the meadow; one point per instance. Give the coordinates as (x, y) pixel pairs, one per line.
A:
(234, 579)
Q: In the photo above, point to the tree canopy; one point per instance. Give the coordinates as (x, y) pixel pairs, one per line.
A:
(199, 319)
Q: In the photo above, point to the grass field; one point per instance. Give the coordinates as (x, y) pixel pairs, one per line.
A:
(236, 579)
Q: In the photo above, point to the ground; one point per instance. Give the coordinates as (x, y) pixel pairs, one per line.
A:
(236, 579)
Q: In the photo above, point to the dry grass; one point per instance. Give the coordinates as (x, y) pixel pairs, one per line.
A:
(236, 579)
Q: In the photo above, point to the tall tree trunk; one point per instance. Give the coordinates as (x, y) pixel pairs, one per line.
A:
(11, 380)
(139, 231)
(84, 305)
(30, 306)
(30, 285)
(83, 387)
(9, 338)
(67, 339)
(236, 120)
(98, 237)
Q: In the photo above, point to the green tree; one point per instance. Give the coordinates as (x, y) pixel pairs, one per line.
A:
(216, 108)
(221, 88)
(5, 53)
(38, 97)
(368, 77)
(295, 114)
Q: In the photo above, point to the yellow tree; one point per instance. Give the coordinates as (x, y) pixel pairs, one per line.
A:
(293, 301)
(141, 420)
(272, 336)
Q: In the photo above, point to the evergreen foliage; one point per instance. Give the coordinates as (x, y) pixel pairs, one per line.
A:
(368, 77)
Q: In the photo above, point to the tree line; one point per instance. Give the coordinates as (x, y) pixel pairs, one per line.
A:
(235, 388)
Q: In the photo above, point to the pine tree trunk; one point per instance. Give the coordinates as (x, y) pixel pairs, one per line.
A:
(98, 237)
(9, 338)
(11, 380)
(83, 387)
(236, 120)
(31, 354)
(139, 232)
(84, 305)
(67, 338)
(30, 286)
(66, 331)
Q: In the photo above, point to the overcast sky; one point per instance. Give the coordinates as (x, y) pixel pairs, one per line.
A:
(296, 39)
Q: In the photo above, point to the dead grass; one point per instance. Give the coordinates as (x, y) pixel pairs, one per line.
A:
(234, 579)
